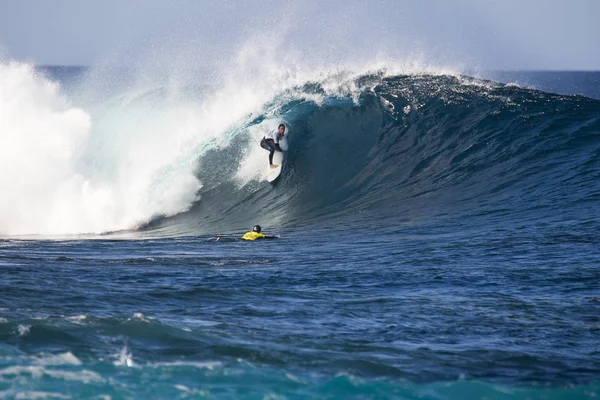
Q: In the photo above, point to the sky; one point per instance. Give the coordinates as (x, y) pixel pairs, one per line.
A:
(485, 34)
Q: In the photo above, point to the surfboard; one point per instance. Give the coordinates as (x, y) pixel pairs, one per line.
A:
(273, 173)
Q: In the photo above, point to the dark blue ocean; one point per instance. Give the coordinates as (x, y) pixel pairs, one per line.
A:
(439, 239)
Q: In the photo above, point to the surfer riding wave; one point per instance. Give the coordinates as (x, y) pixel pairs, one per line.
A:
(271, 143)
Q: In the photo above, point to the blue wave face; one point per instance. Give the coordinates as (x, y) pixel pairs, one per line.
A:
(410, 148)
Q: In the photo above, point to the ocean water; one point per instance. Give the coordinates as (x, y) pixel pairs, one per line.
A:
(439, 239)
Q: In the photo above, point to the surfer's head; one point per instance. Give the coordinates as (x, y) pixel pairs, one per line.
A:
(281, 128)
(256, 228)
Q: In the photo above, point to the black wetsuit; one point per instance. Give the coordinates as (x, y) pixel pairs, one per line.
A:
(269, 144)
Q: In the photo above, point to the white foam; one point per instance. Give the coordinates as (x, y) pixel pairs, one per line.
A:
(38, 372)
(64, 175)
(23, 329)
(191, 392)
(183, 388)
(57, 359)
(77, 318)
(210, 365)
(40, 395)
(41, 137)
(125, 358)
(139, 315)
(294, 378)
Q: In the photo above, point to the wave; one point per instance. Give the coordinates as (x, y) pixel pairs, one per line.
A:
(380, 148)
(400, 149)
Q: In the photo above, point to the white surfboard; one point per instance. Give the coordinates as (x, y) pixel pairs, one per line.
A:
(273, 173)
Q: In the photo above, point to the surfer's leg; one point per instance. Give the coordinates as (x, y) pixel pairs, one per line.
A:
(271, 155)
(269, 144)
(271, 147)
(264, 145)
(274, 147)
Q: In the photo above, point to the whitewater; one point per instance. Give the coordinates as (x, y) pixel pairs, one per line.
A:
(111, 167)
(439, 234)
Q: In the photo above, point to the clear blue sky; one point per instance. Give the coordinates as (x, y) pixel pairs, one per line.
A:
(490, 34)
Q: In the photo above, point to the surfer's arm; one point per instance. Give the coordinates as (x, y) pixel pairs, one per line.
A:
(271, 237)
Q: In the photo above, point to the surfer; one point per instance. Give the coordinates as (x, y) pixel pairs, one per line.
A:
(270, 142)
(255, 234)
